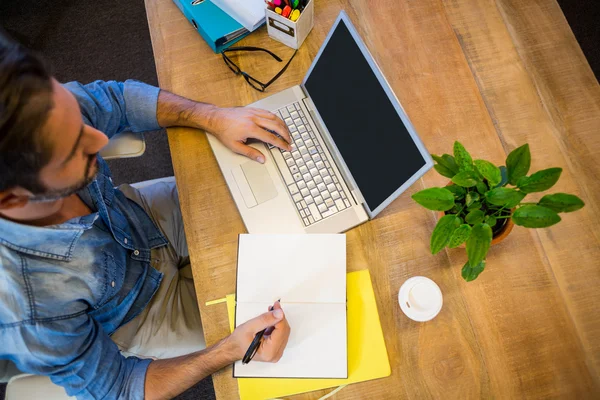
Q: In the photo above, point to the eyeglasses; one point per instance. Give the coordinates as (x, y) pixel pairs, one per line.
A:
(255, 83)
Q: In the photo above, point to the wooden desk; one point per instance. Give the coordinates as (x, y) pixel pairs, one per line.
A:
(492, 74)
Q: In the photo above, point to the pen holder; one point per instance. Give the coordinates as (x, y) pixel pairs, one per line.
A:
(288, 32)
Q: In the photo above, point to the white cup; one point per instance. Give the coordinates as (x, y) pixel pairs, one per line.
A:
(420, 298)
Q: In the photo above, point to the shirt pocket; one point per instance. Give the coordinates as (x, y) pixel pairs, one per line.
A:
(112, 279)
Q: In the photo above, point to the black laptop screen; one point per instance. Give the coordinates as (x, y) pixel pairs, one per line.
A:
(363, 122)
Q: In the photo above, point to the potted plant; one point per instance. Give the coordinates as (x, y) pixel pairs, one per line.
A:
(479, 207)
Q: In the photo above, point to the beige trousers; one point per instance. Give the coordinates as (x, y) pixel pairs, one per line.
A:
(170, 325)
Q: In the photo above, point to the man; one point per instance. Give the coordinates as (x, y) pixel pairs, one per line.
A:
(90, 273)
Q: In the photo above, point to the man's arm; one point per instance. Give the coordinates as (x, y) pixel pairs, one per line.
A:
(232, 126)
(166, 379)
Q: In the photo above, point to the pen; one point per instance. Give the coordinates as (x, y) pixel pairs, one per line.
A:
(255, 343)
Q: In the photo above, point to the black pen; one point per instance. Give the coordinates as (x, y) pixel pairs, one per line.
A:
(255, 343)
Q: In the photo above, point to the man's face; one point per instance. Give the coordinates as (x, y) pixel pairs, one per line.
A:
(74, 147)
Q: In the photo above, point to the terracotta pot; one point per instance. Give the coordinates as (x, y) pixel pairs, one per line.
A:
(498, 237)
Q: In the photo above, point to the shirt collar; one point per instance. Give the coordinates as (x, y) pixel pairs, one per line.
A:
(56, 242)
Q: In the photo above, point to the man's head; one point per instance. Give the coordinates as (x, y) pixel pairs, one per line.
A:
(46, 150)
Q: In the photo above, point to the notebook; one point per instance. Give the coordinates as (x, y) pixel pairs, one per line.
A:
(308, 274)
(367, 355)
(249, 13)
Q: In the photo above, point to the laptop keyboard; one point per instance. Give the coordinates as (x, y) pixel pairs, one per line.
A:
(313, 184)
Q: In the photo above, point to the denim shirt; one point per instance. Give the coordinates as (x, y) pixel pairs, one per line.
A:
(65, 289)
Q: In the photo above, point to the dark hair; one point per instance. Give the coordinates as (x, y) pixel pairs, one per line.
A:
(25, 103)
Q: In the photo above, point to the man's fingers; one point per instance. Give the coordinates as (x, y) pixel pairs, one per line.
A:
(278, 339)
(274, 345)
(268, 137)
(263, 321)
(275, 125)
(263, 113)
(248, 151)
(275, 306)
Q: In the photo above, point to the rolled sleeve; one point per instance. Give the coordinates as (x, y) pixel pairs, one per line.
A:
(78, 355)
(114, 107)
(141, 101)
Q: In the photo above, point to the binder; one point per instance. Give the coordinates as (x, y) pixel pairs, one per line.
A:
(217, 28)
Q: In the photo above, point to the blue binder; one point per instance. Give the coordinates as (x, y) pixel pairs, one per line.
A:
(217, 28)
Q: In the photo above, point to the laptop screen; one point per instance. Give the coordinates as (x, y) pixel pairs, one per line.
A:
(366, 127)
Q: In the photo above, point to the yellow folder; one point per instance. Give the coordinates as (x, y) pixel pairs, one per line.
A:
(367, 355)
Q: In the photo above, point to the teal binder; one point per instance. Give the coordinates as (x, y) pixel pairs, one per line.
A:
(217, 28)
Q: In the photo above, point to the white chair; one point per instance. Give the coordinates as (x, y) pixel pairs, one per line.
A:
(27, 386)
(124, 145)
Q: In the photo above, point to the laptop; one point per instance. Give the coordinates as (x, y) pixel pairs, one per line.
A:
(354, 151)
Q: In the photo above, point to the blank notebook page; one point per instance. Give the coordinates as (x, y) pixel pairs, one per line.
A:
(308, 274)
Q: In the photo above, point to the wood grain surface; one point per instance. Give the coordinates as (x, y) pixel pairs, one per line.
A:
(491, 74)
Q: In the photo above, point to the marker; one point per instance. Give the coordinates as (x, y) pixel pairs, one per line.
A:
(295, 15)
(270, 5)
(278, 10)
(286, 11)
(277, 3)
(295, 4)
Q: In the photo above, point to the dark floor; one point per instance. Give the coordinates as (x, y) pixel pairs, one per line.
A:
(89, 40)
(102, 39)
(584, 18)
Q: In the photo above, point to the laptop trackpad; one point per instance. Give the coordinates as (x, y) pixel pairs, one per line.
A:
(254, 183)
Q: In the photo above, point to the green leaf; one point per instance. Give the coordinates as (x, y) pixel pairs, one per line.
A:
(518, 163)
(471, 198)
(437, 199)
(474, 206)
(475, 217)
(478, 243)
(459, 236)
(446, 161)
(443, 171)
(442, 232)
(490, 220)
(481, 187)
(465, 179)
(471, 273)
(450, 163)
(462, 157)
(540, 181)
(489, 172)
(561, 202)
(503, 196)
(504, 174)
(533, 216)
(459, 192)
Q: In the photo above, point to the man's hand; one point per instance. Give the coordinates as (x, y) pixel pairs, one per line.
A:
(273, 342)
(234, 126)
(169, 377)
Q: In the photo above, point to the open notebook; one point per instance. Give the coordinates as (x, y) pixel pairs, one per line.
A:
(308, 274)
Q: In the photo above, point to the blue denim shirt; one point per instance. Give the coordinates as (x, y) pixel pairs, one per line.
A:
(65, 289)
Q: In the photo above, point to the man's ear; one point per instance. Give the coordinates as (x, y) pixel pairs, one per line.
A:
(14, 198)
